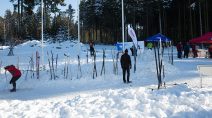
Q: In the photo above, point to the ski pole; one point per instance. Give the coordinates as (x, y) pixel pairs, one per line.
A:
(6, 85)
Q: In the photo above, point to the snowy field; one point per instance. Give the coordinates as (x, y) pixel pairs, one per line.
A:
(105, 96)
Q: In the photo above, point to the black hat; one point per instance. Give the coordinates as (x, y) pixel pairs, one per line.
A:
(126, 50)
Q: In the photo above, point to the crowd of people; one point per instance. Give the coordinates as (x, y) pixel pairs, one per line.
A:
(186, 48)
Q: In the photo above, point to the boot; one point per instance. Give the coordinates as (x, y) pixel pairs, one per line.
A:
(14, 88)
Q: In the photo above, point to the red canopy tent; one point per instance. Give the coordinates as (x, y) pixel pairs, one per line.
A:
(206, 38)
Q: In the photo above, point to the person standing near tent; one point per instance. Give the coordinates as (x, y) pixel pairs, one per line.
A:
(179, 50)
(210, 51)
(186, 50)
(149, 45)
(16, 74)
(126, 66)
(194, 50)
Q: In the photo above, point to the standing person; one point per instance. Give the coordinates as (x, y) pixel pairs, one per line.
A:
(132, 51)
(126, 66)
(186, 50)
(179, 50)
(149, 45)
(16, 74)
(91, 48)
(194, 50)
(210, 51)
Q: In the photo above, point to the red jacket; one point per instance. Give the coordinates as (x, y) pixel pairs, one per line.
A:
(14, 71)
(179, 47)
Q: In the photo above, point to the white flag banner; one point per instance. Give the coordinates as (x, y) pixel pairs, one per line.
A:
(193, 5)
(132, 34)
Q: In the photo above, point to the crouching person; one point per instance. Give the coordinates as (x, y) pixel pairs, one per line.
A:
(16, 74)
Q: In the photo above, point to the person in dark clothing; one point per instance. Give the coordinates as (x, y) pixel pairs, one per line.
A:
(16, 74)
(92, 48)
(133, 50)
(194, 51)
(186, 50)
(126, 66)
(210, 51)
(179, 50)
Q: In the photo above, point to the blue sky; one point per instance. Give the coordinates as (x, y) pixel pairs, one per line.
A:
(5, 4)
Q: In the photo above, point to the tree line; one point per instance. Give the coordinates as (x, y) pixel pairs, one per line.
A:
(100, 20)
(24, 23)
(180, 20)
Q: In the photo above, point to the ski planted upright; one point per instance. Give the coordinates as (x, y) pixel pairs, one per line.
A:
(117, 59)
(31, 66)
(56, 63)
(172, 55)
(103, 62)
(66, 67)
(50, 68)
(94, 68)
(0, 65)
(79, 72)
(135, 55)
(87, 56)
(114, 65)
(37, 64)
(53, 69)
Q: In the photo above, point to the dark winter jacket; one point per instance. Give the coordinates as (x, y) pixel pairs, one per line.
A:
(13, 70)
(91, 44)
(125, 61)
(193, 48)
(186, 48)
(210, 49)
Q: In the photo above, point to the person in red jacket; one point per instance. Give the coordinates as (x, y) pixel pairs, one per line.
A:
(16, 74)
(179, 50)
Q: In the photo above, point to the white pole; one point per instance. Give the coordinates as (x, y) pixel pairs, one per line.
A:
(160, 21)
(122, 25)
(42, 55)
(79, 25)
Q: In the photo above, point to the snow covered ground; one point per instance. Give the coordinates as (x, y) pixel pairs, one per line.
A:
(105, 96)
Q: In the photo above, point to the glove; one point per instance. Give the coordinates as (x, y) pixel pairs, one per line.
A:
(6, 67)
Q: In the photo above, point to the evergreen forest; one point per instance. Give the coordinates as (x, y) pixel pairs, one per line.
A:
(101, 20)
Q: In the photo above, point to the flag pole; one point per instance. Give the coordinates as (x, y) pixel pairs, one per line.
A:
(79, 27)
(42, 58)
(200, 18)
(123, 26)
